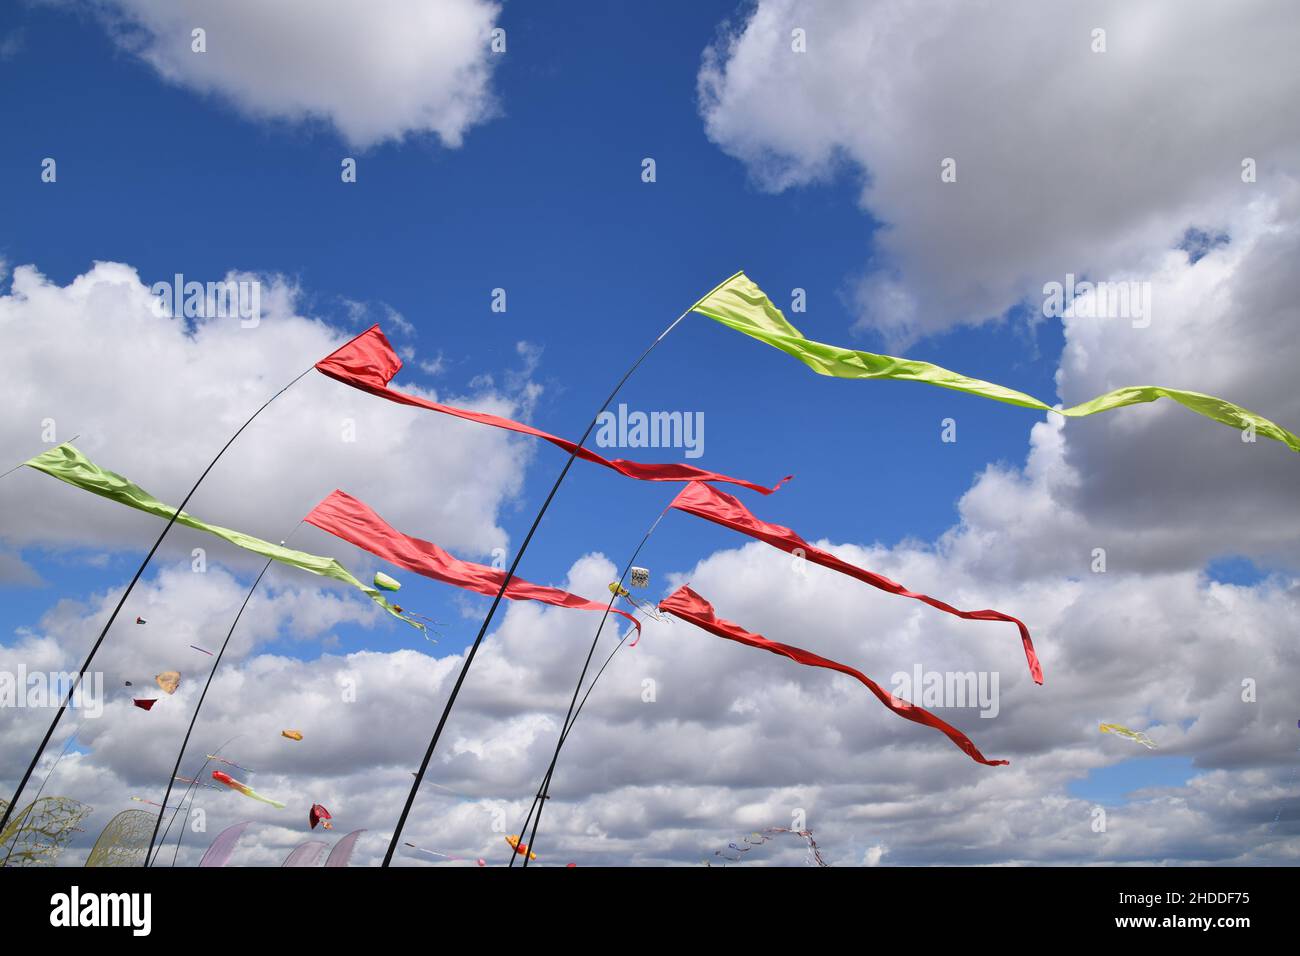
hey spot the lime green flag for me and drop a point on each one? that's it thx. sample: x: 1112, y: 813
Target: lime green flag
x: 66, y: 463
x: 739, y: 304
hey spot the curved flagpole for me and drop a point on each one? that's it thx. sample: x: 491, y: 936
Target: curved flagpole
x: 85, y: 665
x: 545, y: 792
x: 505, y: 582
x: 199, y: 706
x: 539, y: 801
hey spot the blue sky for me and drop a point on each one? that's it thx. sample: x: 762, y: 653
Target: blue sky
x: 814, y: 176
x: 546, y: 202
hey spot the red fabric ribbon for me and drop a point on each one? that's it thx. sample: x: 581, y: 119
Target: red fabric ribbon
x: 368, y: 362
x: 689, y: 606
x: 345, y: 517
x: 707, y: 502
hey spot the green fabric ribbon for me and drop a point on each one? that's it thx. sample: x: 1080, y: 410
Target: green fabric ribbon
x: 741, y: 305
x: 68, y: 464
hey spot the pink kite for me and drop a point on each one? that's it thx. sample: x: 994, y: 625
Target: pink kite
x: 222, y: 777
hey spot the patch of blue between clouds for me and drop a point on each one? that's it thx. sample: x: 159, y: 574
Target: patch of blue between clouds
x: 1198, y: 243
x: 1115, y: 785
x: 1234, y: 569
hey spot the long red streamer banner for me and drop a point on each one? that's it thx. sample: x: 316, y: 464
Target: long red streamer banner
x: 691, y: 607
x: 709, y: 503
x: 355, y: 522
x: 368, y: 362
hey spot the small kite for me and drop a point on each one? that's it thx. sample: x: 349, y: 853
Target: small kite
x: 223, y: 777
x: 738, y: 849
x: 230, y: 763
x: 159, y: 805
x: 520, y: 848
x: 447, y: 856
x: 200, y: 650
x: 168, y: 681
x: 1121, y: 731
x: 194, y: 783
x: 640, y: 577
x: 140, y: 620
x: 759, y: 838
x: 128, y: 683
x: 814, y: 851
x: 417, y: 617
x: 465, y: 797
x: 319, y: 814
x: 145, y: 703
x: 292, y: 734
x: 385, y: 583
x: 645, y: 607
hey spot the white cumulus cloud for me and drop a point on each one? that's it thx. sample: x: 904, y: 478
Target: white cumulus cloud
x: 375, y: 71
x: 1068, y: 160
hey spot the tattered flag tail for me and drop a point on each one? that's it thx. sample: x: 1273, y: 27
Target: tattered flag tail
x: 691, y: 607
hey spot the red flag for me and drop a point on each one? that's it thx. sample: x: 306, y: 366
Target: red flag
x: 345, y: 517
x: 368, y: 362
x: 707, y: 502
x: 689, y: 606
